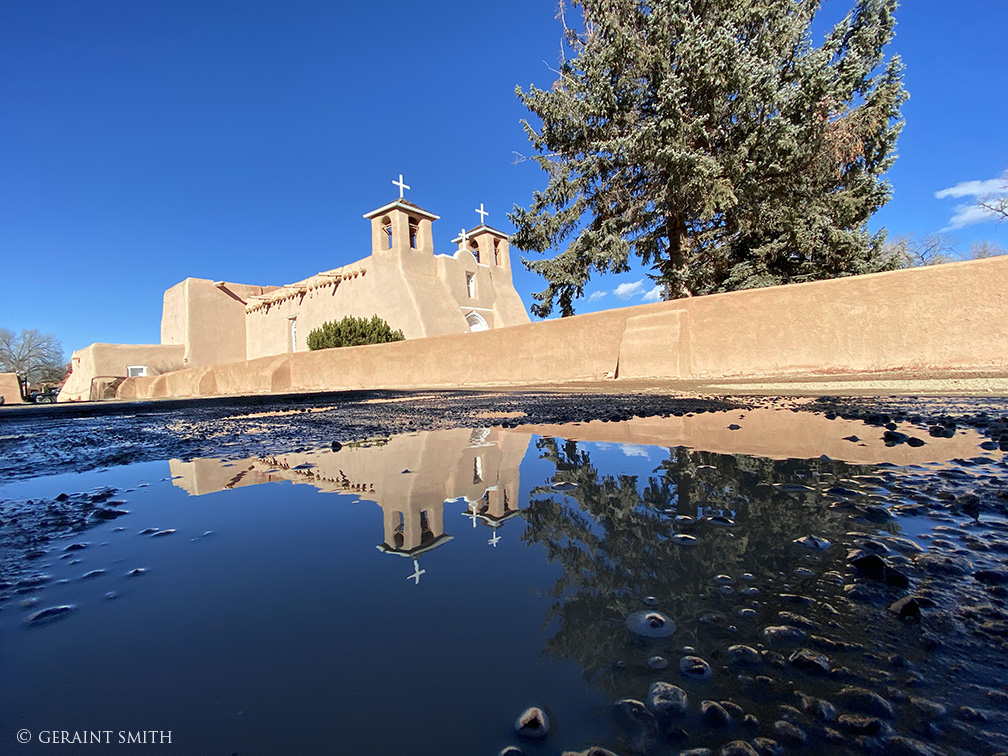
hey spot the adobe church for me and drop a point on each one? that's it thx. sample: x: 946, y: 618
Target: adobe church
x: 402, y: 281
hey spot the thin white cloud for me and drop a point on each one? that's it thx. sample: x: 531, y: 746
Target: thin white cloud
x: 655, y: 295
x: 968, y: 214
x: 626, y: 290
x: 635, y: 450
x: 595, y: 296
x: 995, y: 186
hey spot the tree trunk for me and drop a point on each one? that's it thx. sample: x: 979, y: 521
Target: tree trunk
x: 675, y: 270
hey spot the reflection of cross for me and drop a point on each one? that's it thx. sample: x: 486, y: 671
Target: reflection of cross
x: 482, y: 214
x: 493, y: 541
x: 401, y: 186
x: 465, y: 238
x: 472, y: 506
x: 417, y: 572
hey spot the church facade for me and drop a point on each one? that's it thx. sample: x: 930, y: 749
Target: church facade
x: 403, y: 281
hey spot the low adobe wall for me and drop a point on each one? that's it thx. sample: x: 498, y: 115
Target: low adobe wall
x: 100, y: 362
x: 947, y: 317
x: 10, y: 389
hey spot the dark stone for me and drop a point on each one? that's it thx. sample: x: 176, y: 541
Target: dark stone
x: 336, y: 446
x: 636, y: 727
x: 809, y: 661
x: 714, y: 714
x: 865, y: 701
x: 590, y: 751
x: 907, y: 607
x: 511, y: 751
x: 532, y: 723
x: 870, y: 564
x: 666, y: 701
x: 819, y: 709
x: 783, y: 635
x: 743, y: 656
x: 767, y: 747
x: 991, y: 577
x: 969, y: 714
x: 738, y: 748
x: 856, y: 724
x: 789, y: 734
x: 695, y: 668
x: 734, y: 427
x: 914, y: 441
x: 45, y: 616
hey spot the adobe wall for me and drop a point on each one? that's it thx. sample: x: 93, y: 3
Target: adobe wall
x: 946, y: 317
x: 10, y: 389
x: 209, y: 320
x: 110, y: 361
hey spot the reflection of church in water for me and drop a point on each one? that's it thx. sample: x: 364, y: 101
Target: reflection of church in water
x: 413, y: 478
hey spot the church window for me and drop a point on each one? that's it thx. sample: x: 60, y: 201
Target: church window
x: 293, y: 333
x: 414, y: 231
x: 496, y: 251
x: 136, y: 371
x: 478, y: 470
x: 471, y: 285
x: 474, y: 248
x: 477, y: 322
x: 387, y: 230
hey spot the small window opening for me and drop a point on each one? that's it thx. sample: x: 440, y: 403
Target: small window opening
x: 387, y: 229
x: 474, y: 248
x: 471, y: 285
x: 496, y: 252
x: 136, y: 371
x: 426, y: 533
x: 478, y: 469
x: 399, y: 538
x: 414, y: 231
x: 293, y: 334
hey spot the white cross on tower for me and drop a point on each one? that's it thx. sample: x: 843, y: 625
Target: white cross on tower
x: 465, y: 238
x: 493, y: 541
x: 472, y: 506
x: 482, y: 214
x: 417, y: 572
x: 401, y: 186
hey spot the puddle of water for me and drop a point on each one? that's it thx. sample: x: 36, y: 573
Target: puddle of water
x: 416, y: 593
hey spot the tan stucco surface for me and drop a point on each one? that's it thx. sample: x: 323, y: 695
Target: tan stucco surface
x: 10, y: 389
x: 946, y: 317
x: 104, y: 361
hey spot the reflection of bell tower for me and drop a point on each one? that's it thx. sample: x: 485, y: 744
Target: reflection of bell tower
x: 411, y: 533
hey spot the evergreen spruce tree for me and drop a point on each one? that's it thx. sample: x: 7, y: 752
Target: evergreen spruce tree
x: 713, y: 140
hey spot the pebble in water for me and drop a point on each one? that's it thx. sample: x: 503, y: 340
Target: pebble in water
x: 636, y: 726
x: 744, y: 656
x: 695, y: 668
x: 812, y: 542
x: 650, y: 601
x: 657, y: 663
x: 685, y: 540
x: 650, y: 624
x: 46, y: 616
x: 666, y: 701
x: 137, y: 572
x: 783, y: 635
x: 92, y: 574
x: 161, y: 533
x: 564, y: 487
x: 532, y: 723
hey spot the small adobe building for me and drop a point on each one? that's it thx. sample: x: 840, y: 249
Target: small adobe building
x: 403, y: 281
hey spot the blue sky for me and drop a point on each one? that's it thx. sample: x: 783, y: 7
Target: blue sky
x: 144, y: 141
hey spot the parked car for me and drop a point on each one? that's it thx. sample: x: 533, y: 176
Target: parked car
x: 45, y: 397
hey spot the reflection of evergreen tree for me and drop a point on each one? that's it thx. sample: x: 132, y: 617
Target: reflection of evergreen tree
x: 615, y: 543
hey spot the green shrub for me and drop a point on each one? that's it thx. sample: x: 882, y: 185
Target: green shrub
x: 351, y: 331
